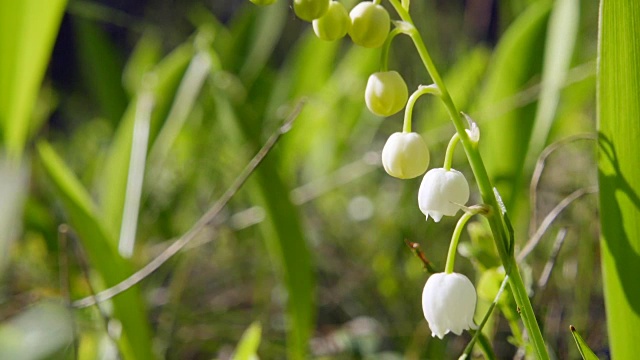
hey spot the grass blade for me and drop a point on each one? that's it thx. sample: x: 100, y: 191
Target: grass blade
x: 618, y: 93
x: 248, y: 347
x: 114, y: 180
x: 583, y: 348
x: 82, y: 213
x: 27, y: 31
x: 101, y: 65
x: 561, y: 37
x: 505, y: 135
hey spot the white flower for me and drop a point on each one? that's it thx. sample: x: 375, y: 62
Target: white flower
x: 405, y: 155
x: 448, y: 303
x: 442, y: 192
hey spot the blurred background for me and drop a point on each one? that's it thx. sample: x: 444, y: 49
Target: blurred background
x: 312, y: 248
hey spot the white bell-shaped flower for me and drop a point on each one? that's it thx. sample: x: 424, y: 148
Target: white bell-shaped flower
x: 448, y: 303
x: 442, y: 192
x: 405, y: 155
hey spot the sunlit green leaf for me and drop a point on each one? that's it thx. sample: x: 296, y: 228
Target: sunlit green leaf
x: 506, y: 125
x: 114, y: 181
x: 27, y: 31
x: 561, y: 37
x: 248, y: 346
x: 585, y: 351
x: 85, y: 222
x: 618, y: 171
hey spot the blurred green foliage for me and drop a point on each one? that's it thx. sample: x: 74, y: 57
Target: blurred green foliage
x: 313, y: 246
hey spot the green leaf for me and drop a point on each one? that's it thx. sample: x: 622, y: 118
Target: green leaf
x: 618, y: 94
x: 585, y: 351
x: 287, y: 244
x: 283, y: 231
x: 144, y: 57
x: 28, y: 30
x: 248, y: 347
x: 463, y: 81
x: 506, y: 127
x: 101, y: 65
x: 84, y: 220
x: 168, y: 74
x: 561, y: 37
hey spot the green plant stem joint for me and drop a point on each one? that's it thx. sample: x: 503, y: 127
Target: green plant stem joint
x: 496, y: 221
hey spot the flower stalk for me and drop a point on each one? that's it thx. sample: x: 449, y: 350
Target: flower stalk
x: 408, y: 112
x: 496, y: 221
x: 455, y: 238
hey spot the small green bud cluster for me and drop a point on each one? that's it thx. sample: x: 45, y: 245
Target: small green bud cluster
x: 367, y: 24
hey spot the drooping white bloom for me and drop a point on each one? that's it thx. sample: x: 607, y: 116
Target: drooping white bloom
x: 442, y: 192
x: 405, y: 155
x: 448, y: 303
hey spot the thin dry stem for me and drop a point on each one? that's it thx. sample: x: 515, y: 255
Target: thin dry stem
x: 205, y: 221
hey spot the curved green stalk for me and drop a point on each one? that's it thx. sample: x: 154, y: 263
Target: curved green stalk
x: 448, y: 157
x: 384, y: 61
x: 496, y: 221
x: 455, y: 238
x: 408, y: 112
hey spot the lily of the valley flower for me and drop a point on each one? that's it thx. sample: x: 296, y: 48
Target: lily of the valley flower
x: 442, y: 192
x: 448, y: 303
x: 405, y: 155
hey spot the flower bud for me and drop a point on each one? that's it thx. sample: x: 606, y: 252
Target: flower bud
x: 370, y: 24
x: 442, y: 192
x: 310, y: 10
x: 405, y: 155
x: 386, y: 93
x: 448, y: 303
x: 263, y: 2
x: 334, y: 24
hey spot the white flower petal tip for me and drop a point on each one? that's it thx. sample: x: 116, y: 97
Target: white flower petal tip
x: 449, y: 303
x: 441, y: 193
x: 473, y: 131
x: 405, y: 155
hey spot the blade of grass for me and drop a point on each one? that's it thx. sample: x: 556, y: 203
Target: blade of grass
x: 14, y: 184
x: 82, y: 214
x: 515, y: 63
x: 286, y: 242
x: 144, y: 57
x: 27, y: 32
x: 583, y: 348
x: 248, y: 347
x: 283, y: 232
x: 101, y: 64
x: 561, y: 37
x: 135, y: 175
x: 168, y: 74
x: 618, y: 107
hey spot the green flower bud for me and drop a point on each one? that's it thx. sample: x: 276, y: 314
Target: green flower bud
x: 386, y: 93
x: 263, y: 2
x: 370, y: 24
x: 310, y: 10
x: 334, y: 24
x: 405, y: 155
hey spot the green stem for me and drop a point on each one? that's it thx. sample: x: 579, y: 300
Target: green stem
x: 448, y: 158
x: 408, y: 112
x: 455, y: 238
x: 496, y: 221
x: 384, y: 61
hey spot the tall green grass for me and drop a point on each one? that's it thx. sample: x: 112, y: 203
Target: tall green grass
x: 618, y: 171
